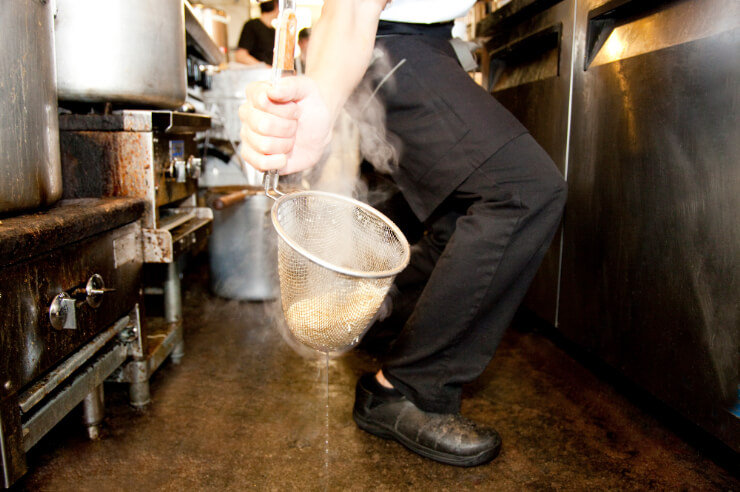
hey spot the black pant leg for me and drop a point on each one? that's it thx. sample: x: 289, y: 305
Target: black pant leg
x: 463, y: 153
x: 481, y: 277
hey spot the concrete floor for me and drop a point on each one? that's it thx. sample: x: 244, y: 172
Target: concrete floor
x: 245, y: 411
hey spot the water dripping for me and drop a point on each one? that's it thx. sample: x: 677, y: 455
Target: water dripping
x: 326, y: 429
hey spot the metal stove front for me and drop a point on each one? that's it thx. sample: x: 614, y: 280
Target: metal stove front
x: 151, y: 155
x: 143, y: 154
x: 69, y: 301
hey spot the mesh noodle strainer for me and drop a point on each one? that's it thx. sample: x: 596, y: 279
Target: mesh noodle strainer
x: 337, y: 256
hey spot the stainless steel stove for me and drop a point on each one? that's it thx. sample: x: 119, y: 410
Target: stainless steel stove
x: 153, y: 155
x: 69, y: 315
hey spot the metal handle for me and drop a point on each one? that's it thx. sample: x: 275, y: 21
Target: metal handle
x: 283, y: 63
x: 270, y: 182
x: 604, y: 19
x: 62, y: 313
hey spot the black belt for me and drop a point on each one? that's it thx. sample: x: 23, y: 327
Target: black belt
x: 442, y: 30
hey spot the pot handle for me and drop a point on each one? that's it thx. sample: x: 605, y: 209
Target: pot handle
x: 230, y: 199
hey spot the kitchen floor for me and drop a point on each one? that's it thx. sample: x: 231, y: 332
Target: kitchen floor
x: 245, y: 411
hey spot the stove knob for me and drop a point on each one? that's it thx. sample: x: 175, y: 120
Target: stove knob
x: 95, y: 289
x: 194, y: 166
x: 177, y: 170
x: 169, y: 169
x: 62, y: 314
x: 181, y: 175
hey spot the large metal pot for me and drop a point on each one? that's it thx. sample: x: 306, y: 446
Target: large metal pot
x: 121, y: 51
x: 30, y: 169
x: 243, y: 250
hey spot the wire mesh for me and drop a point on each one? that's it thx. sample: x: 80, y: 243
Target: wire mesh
x: 337, y: 258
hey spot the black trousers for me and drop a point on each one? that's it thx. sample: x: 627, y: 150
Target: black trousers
x: 491, y: 200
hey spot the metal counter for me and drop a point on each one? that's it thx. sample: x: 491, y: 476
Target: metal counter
x: 528, y: 68
x: 645, y: 129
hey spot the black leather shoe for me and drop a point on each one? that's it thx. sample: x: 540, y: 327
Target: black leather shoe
x: 448, y: 438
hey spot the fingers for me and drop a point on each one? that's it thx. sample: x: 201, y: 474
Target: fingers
x: 264, y: 123
x: 262, y: 162
x: 284, y: 127
x: 268, y: 128
x: 262, y: 151
x: 280, y: 101
x: 289, y: 89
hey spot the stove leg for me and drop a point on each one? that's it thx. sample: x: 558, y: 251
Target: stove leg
x: 173, y: 307
x: 93, y: 411
x: 178, y: 351
x: 139, y: 395
x: 172, y: 294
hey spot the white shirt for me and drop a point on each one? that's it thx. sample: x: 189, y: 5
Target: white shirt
x: 425, y: 11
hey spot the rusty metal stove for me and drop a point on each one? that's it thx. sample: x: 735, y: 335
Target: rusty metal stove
x: 149, y: 154
x: 69, y: 316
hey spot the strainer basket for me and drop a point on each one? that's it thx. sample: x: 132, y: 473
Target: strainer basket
x: 337, y: 258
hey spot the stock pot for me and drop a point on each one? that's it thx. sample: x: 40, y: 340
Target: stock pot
x: 122, y: 51
x: 30, y: 168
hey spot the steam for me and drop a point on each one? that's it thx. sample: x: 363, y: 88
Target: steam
x: 366, y: 109
x: 360, y: 133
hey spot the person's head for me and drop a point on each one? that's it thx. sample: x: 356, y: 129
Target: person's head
x: 268, y: 6
x: 303, y: 36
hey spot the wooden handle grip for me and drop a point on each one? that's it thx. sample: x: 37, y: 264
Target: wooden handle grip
x: 231, y: 199
x: 285, y: 54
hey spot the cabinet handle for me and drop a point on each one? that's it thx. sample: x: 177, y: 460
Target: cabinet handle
x: 510, y: 14
x: 525, y: 48
x: 603, y: 20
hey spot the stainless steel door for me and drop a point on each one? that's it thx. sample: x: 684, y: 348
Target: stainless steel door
x: 528, y: 69
x: 651, y: 255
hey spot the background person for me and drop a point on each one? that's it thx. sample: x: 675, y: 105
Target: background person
x: 257, y: 39
x: 304, y: 36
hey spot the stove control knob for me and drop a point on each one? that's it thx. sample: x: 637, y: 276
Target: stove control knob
x: 94, y: 290
x: 181, y: 174
x: 62, y: 312
x: 177, y: 170
x: 194, y: 166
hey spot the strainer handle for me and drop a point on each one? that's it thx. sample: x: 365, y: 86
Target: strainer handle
x: 270, y: 182
x: 283, y: 63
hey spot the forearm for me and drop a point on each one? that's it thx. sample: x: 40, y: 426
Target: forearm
x: 342, y: 43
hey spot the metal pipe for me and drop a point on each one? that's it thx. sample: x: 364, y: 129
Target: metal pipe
x: 55, y: 408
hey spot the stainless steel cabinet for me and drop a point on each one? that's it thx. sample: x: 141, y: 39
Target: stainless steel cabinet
x: 648, y: 138
x: 528, y: 68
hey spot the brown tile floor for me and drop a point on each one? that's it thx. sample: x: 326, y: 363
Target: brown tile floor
x: 244, y: 411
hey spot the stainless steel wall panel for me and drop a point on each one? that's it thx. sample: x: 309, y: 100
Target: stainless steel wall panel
x: 528, y: 70
x: 651, y: 254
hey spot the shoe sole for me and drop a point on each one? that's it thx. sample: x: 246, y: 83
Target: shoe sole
x: 446, y: 458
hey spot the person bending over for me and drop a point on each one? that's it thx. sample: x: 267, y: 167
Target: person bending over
x: 488, y: 195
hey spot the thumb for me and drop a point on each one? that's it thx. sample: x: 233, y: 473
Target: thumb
x: 290, y: 89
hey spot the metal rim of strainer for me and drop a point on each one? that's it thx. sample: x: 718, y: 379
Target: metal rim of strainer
x: 351, y: 272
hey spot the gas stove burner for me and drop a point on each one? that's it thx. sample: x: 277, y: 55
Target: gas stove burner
x: 146, y: 154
